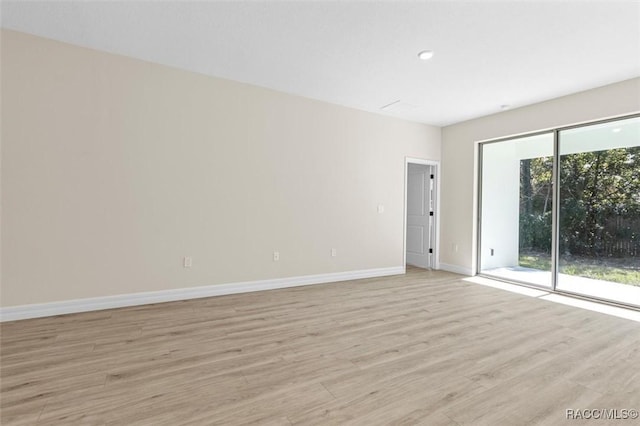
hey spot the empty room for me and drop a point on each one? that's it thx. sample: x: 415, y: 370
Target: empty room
x: 319, y: 212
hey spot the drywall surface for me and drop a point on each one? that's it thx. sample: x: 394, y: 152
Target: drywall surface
x: 501, y: 206
x: 115, y: 169
x: 460, y: 150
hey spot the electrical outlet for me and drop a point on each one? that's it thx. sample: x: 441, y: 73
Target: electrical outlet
x: 276, y: 256
x: 491, y: 252
x: 334, y: 252
x: 187, y: 262
x: 380, y: 208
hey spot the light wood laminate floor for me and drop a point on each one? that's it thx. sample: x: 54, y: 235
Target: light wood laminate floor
x: 423, y: 348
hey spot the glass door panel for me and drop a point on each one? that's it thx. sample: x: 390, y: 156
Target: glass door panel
x: 599, y: 211
x: 516, y: 209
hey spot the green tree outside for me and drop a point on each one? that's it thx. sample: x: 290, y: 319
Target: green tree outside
x: 599, y: 214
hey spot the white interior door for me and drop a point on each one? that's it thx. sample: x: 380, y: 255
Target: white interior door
x: 420, y: 215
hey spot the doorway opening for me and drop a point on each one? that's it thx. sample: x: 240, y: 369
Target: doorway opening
x: 421, y: 213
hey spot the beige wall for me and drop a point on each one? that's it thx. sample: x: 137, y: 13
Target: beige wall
x: 459, y: 156
x: 113, y: 169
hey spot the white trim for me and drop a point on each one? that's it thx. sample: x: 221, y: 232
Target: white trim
x: 407, y: 161
x: 457, y: 269
x: 13, y: 313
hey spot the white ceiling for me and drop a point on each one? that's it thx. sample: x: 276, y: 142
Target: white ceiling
x: 364, y: 54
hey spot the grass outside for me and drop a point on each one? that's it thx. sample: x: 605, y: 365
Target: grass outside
x: 614, y: 270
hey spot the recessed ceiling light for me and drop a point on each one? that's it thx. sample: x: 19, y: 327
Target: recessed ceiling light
x: 505, y: 106
x: 425, y: 55
x: 616, y: 130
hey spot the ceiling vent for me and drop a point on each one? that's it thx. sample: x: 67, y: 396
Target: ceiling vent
x: 399, y: 107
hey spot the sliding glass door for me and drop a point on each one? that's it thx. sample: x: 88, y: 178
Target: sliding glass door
x: 561, y: 210
x: 516, y: 209
x: 599, y: 222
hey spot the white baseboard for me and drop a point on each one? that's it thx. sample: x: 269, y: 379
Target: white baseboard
x: 13, y: 313
x: 457, y: 269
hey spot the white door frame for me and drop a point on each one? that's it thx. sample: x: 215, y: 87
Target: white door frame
x: 407, y: 161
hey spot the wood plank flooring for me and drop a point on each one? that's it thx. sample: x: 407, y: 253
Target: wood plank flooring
x: 424, y: 348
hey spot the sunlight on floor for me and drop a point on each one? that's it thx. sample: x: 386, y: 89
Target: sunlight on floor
x: 622, y: 293
x: 527, y: 291
x: 557, y: 298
